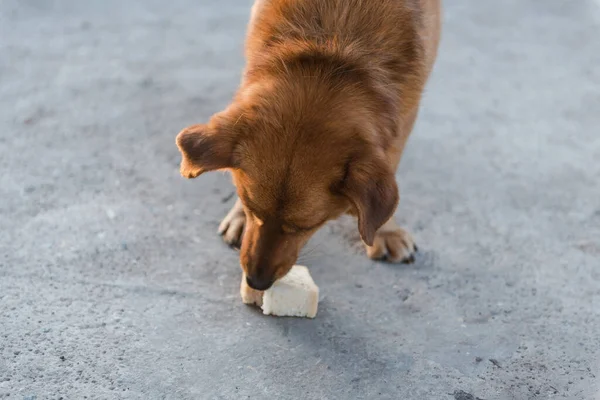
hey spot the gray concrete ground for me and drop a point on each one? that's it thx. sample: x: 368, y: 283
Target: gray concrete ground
x: 113, y: 283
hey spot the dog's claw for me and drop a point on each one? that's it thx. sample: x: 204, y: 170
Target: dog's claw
x: 409, y: 260
x: 235, y: 246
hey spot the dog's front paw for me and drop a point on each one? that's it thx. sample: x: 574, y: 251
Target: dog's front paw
x: 232, y: 226
x: 392, y: 244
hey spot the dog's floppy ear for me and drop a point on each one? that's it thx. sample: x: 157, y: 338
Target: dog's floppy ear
x: 206, y: 148
x: 372, y: 190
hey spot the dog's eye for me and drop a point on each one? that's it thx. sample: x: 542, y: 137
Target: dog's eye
x: 292, y: 228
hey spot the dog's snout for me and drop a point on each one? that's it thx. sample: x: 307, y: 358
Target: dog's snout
x: 258, y: 284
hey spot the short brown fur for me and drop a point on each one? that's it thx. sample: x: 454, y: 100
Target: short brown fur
x: 329, y: 97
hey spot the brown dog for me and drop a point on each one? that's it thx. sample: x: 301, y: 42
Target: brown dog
x: 329, y: 97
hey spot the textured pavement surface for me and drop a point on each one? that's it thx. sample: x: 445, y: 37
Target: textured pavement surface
x: 114, y: 284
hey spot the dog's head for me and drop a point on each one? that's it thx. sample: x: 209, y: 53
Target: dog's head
x: 296, y: 165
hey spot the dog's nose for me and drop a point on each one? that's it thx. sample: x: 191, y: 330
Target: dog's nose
x: 258, y: 284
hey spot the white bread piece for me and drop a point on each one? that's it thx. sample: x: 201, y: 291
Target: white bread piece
x: 294, y: 295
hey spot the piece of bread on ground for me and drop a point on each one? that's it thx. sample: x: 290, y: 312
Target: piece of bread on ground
x: 294, y: 295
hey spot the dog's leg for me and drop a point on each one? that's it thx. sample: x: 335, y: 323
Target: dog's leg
x: 392, y: 244
x: 232, y: 226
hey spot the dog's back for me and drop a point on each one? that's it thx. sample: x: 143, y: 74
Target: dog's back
x: 386, y: 46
